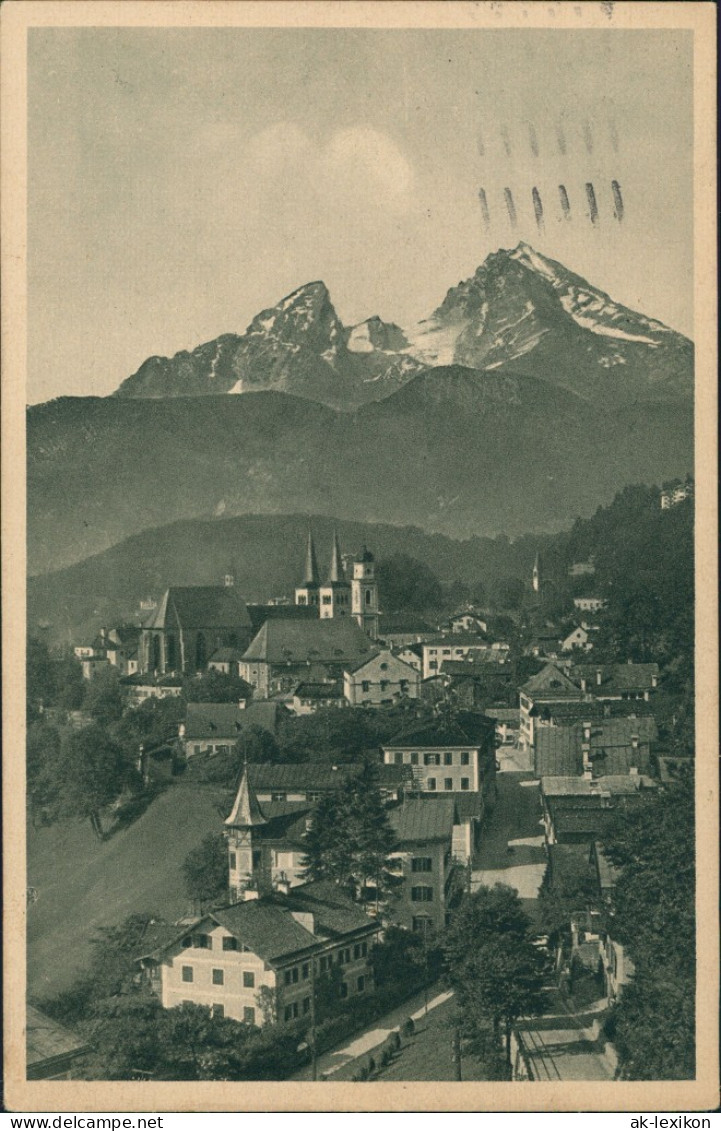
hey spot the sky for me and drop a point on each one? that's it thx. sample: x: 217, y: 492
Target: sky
x: 181, y: 180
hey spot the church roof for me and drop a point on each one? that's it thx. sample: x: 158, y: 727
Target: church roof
x: 311, y: 575
x: 337, y: 573
x: 200, y: 606
x: 246, y: 811
x: 333, y: 641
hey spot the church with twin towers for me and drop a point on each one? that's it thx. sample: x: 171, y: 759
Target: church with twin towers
x: 350, y: 588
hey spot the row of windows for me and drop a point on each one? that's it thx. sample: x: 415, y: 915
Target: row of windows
x: 432, y: 759
x: 218, y: 1010
x: 218, y: 977
x: 301, y: 973
x: 431, y: 783
x: 384, y: 685
x: 296, y: 1009
x: 422, y: 864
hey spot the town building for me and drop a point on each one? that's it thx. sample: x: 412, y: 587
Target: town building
x: 597, y: 748
x: 380, y: 680
x: 676, y: 493
x: 589, y: 604
x: 116, y: 648
x: 308, y: 697
x: 439, y: 649
x: 423, y: 864
x: 579, y: 637
x: 190, y: 624
x: 285, y: 653
x: 399, y: 630
x: 215, y: 728
x: 580, y: 809
x: 582, y: 569
x: 457, y: 756
x: 135, y: 689
x: 260, y: 960
x: 466, y: 622
x: 558, y: 685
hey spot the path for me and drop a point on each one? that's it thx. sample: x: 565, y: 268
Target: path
x: 512, y: 845
x: 563, y: 1045
x: 355, y: 1046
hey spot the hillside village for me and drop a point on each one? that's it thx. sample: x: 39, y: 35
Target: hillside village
x: 374, y: 771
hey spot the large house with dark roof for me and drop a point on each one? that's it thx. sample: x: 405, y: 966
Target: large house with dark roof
x: 581, y: 684
x: 190, y: 624
x: 258, y: 961
x: 595, y: 747
x: 379, y: 680
x: 454, y: 756
x: 579, y: 810
x: 285, y: 653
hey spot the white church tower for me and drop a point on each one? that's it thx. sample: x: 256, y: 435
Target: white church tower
x: 364, y: 593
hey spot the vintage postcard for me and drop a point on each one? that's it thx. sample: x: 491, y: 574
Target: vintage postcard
x: 359, y: 556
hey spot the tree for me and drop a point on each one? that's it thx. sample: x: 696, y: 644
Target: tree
x: 216, y: 687
x: 654, y: 917
x: 351, y: 839
x: 574, y: 888
x: 103, y: 698
x: 91, y: 774
x: 42, y: 754
x: 508, y: 593
x: 492, y: 964
x: 407, y: 583
x: 205, y: 870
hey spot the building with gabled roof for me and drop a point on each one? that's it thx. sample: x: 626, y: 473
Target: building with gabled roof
x: 286, y: 652
x: 52, y: 1051
x: 258, y: 960
x: 580, y: 809
x: 380, y: 679
x: 600, y: 747
x: 447, y: 756
x: 190, y: 623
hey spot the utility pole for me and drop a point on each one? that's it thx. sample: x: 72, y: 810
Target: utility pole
x: 314, y: 1056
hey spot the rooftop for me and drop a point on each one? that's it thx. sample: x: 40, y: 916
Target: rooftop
x: 419, y: 819
x: 200, y: 606
x: 48, y: 1044
x: 333, y: 641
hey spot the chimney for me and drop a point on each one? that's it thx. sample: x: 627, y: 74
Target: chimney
x: 586, y: 732
x: 229, y: 581
x: 633, y: 771
x: 654, y: 680
x: 305, y: 919
x: 583, y: 685
x: 103, y: 633
x: 282, y: 885
x: 599, y: 676
x: 634, y: 741
x: 250, y: 893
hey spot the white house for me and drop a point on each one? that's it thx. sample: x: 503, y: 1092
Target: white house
x: 384, y: 678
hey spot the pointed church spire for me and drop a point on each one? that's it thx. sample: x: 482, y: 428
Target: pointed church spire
x: 246, y: 811
x: 337, y: 573
x: 311, y: 576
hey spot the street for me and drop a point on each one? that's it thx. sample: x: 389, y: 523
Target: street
x: 512, y: 844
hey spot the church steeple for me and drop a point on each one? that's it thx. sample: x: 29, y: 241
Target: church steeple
x: 307, y: 591
x: 311, y: 575
x: 537, y: 574
x: 337, y: 573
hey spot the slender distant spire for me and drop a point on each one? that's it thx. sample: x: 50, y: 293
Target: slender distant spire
x: 337, y: 573
x: 312, y: 576
x: 246, y: 811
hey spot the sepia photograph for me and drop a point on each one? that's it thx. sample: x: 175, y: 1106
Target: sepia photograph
x: 359, y: 480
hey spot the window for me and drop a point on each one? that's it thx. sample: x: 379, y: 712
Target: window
x: 218, y: 978
x: 465, y: 758
x: 233, y: 861
x: 305, y: 971
x: 361, y: 984
x: 187, y: 974
x: 448, y: 783
x: 249, y: 1015
x: 431, y: 783
x: 291, y: 976
x: 323, y: 965
x: 421, y: 923
x: 217, y: 1010
x: 365, y: 686
x: 398, y: 757
x: 422, y: 864
x: 432, y: 664
x: 344, y: 989
x: 448, y: 758
x: 384, y: 667
x: 300, y: 600
x: 384, y: 685
x: 196, y: 748
x: 326, y: 599
x: 368, y: 597
x: 306, y: 1005
x: 278, y: 797
x: 414, y: 758
x: 291, y: 1011
x: 422, y: 894
x: 203, y: 942
x: 404, y: 685
x: 465, y: 783
x: 364, y: 949
x: 230, y: 944
x: 356, y: 951
x: 248, y: 979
